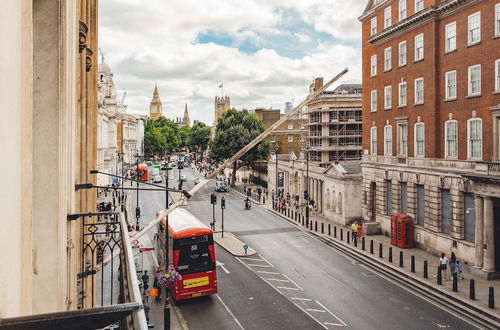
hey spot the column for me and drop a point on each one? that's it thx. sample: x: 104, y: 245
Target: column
x: 489, y: 252
x: 479, y: 239
x: 321, y: 197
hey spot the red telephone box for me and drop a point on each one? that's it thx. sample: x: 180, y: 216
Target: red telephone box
x: 402, y: 230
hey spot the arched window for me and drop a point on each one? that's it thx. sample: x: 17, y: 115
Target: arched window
x: 334, y: 201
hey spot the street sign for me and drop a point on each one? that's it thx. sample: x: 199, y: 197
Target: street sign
x: 135, y: 243
x: 245, y: 247
x: 146, y: 249
x: 281, y: 179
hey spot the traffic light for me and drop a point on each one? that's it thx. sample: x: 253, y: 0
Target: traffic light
x: 137, y: 212
x: 306, y: 195
x: 223, y: 203
x: 213, y: 199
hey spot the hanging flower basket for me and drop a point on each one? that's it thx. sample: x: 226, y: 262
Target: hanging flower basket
x: 166, y: 279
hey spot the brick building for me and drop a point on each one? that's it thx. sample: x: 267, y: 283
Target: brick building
x: 334, y: 125
x: 289, y: 136
x: 431, y: 138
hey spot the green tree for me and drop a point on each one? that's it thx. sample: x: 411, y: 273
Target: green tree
x: 235, y: 129
x: 199, y: 138
x: 184, y: 132
x: 160, y: 136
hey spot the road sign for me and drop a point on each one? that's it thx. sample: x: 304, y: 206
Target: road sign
x: 281, y: 179
x: 146, y: 249
x: 245, y: 247
x: 135, y: 243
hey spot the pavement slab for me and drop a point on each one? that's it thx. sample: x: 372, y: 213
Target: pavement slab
x: 233, y: 245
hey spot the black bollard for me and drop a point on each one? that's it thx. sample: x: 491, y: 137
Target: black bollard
x: 472, y: 290
x: 371, y: 246
x: 439, y: 276
x: 390, y: 254
x: 329, y: 230
x: 380, y: 250
x: 288, y: 213
x: 401, y: 259
x: 412, y: 264
x: 348, y: 234
x: 335, y: 231
x: 302, y: 220
x: 341, y: 234
x: 316, y: 226
x: 322, y: 227
x: 426, y: 274
x: 295, y: 216
x: 355, y: 239
x: 491, y: 297
x: 363, y: 243
x: 455, y: 282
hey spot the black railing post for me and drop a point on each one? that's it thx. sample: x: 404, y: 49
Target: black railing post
x: 455, y: 282
x: 491, y: 297
x: 426, y: 274
x: 401, y: 259
x: 412, y: 264
x: 371, y: 246
x: 472, y: 290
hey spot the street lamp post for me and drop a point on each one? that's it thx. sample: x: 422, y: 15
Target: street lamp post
x: 276, y: 148
x: 137, y: 209
x: 166, y: 310
x: 307, y: 185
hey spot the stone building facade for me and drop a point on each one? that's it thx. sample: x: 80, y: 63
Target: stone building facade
x: 50, y: 108
x: 334, y: 125
x: 431, y: 114
x: 221, y: 105
x: 334, y: 189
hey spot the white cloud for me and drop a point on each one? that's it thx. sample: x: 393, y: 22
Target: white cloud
x: 155, y: 41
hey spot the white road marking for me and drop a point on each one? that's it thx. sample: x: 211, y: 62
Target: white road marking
x: 267, y: 261
x: 287, y: 288
x: 253, y: 259
x: 277, y: 279
x: 304, y: 299
x: 331, y: 313
x: 227, y: 308
x: 293, y: 282
x: 315, y: 310
x: 255, y: 265
x: 264, y: 272
x: 221, y: 265
x: 335, y: 324
x: 311, y: 316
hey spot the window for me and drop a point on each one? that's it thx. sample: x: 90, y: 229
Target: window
x: 402, y: 9
x: 402, y: 139
x: 450, y: 128
x: 402, y: 53
x: 419, y: 5
x: 373, y: 139
x: 419, y: 139
x: 290, y: 126
x: 474, y: 80
x: 373, y: 101
x: 388, y: 196
x: 272, y: 138
x: 387, y: 17
x: 469, y: 217
x: 451, y: 37
x: 403, y: 197
x: 419, y: 90
x: 419, y: 47
x: 290, y: 138
x: 373, y: 23
x: 387, y: 59
x: 450, y: 85
x: 388, y: 140
x: 373, y: 66
x: 387, y: 97
x: 497, y: 75
x: 445, y: 211
x: 497, y: 19
x: 420, y: 204
x: 474, y: 28
x: 402, y: 94
x: 475, y: 137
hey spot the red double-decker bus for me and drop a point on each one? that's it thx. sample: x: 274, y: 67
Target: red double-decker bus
x: 192, y: 253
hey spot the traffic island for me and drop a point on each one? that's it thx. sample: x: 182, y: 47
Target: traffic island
x: 233, y: 245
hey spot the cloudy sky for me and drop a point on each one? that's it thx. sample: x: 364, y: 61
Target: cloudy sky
x: 265, y: 52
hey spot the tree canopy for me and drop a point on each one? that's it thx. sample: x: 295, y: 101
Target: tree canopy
x: 160, y: 136
x: 199, y: 138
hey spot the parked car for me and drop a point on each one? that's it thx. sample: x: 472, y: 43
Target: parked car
x: 220, y: 186
x: 157, y: 178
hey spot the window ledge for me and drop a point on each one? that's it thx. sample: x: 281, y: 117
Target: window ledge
x: 385, y: 109
x: 496, y: 36
x: 373, y: 110
x: 401, y: 66
x: 473, y: 44
x: 387, y: 70
x: 417, y: 104
x: 496, y: 92
x: 450, y: 51
x: 419, y: 60
x: 401, y: 106
x: 450, y: 99
x: 473, y: 96
x: 372, y: 76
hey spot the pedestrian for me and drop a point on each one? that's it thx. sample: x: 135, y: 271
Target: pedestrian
x: 460, y: 268
x: 360, y: 230
x: 145, y: 280
x: 452, y: 263
x: 354, y: 231
x: 443, y: 265
x: 146, y: 309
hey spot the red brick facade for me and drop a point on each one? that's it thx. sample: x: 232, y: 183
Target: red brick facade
x: 434, y: 111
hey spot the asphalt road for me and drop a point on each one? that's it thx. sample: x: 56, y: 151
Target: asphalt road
x: 295, y: 281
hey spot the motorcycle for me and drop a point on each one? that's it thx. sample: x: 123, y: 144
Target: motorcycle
x: 248, y: 205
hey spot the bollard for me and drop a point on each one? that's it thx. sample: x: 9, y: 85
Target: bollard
x: 491, y: 297
x: 341, y: 234
x: 412, y: 264
x: 472, y: 290
x: 335, y: 231
x: 355, y: 239
x: 288, y: 213
x: 295, y: 216
x: 263, y: 199
x: 439, y: 276
x: 311, y: 223
x: 390, y: 254
x: 322, y: 228
x: 348, y: 234
x: 371, y: 246
x: 401, y: 259
x: 316, y: 226
x: 426, y: 275
x: 455, y: 282
x: 363, y: 243
x: 302, y: 220
x: 329, y: 230
x: 380, y: 250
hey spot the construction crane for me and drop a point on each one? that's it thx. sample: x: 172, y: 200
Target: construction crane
x: 183, y: 199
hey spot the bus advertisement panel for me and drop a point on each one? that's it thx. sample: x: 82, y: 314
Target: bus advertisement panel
x: 142, y: 171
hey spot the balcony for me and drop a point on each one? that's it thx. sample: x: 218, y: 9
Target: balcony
x: 105, y: 237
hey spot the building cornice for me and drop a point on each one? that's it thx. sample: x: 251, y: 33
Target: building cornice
x: 372, y: 10
x: 429, y: 14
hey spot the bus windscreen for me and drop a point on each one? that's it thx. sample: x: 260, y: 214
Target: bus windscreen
x: 194, y: 256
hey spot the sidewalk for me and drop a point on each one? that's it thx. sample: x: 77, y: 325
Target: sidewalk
x: 340, y: 235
